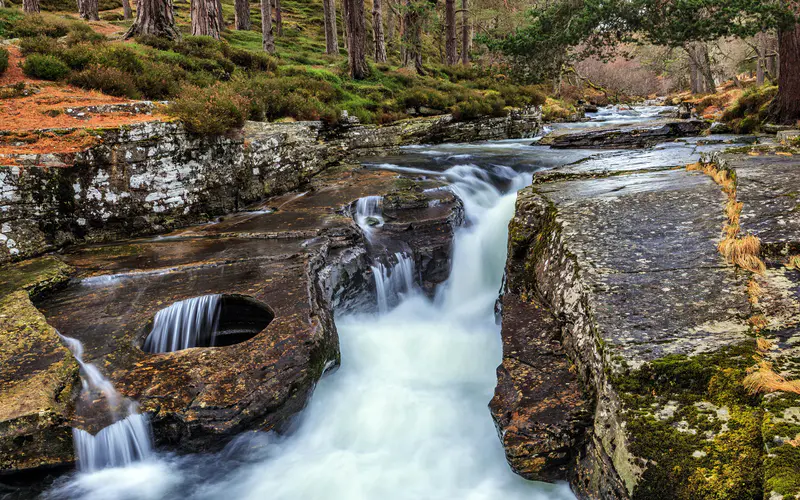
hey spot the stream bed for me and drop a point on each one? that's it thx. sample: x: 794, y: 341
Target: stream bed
x: 405, y: 415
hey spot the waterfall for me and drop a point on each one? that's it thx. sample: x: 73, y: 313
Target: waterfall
x: 392, y: 281
x: 188, y: 323
x: 369, y: 214
x: 126, y: 440
x: 121, y: 443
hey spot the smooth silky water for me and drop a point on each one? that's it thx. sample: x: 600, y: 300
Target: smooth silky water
x: 404, y: 417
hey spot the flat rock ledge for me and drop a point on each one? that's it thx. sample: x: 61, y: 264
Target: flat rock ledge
x: 637, y: 136
x: 617, y: 305
x: 153, y: 177
x: 301, y: 254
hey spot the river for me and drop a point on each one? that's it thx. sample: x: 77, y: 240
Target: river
x: 405, y: 416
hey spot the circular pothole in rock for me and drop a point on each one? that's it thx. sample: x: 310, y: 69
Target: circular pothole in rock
x: 207, y: 321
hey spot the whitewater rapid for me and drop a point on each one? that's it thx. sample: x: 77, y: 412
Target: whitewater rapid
x: 404, y: 417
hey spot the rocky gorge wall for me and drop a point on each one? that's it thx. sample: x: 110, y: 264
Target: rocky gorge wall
x: 635, y: 354
x: 154, y: 176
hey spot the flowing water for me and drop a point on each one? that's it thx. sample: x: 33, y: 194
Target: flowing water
x: 188, y: 323
x: 126, y: 440
x: 405, y: 416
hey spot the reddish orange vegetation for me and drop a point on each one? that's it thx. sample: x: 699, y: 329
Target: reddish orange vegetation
x: 45, y: 109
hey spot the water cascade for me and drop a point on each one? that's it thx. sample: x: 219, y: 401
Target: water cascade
x: 393, y: 281
x: 185, y: 324
x: 369, y: 214
x: 126, y: 440
x: 405, y: 415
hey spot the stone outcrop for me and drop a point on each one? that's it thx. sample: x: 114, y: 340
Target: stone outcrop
x: 637, y: 136
x: 614, y: 281
x: 300, y: 254
x: 154, y: 176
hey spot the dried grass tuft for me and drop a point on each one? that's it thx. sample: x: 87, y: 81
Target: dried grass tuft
x: 763, y: 344
x: 763, y: 379
x: 754, y: 291
x: 758, y: 322
x: 794, y: 262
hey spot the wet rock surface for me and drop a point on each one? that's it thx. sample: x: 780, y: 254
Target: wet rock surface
x: 154, y: 177
x: 642, y: 135
x: 621, y: 265
x: 300, y: 254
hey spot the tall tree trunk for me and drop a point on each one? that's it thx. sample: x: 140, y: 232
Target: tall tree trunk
x: 2, y: 4
x: 787, y: 104
x: 377, y: 30
x: 390, y: 17
x: 267, y: 42
x: 695, y: 82
x: 329, y: 19
x: 412, y: 37
x: 278, y: 18
x: 242, y: 14
x: 88, y: 10
x: 205, y: 18
x: 465, y: 35
x: 126, y: 9
x: 30, y: 6
x: 705, y: 69
x: 220, y: 17
x: 450, y: 49
x: 761, y: 59
x: 356, y: 39
x: 154, y: 17
x: 344, y: 25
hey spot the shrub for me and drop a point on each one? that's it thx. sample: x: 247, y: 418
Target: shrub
x: 256, y: 61
x: 107, y: 80
x: 478, y: 107
x: 418, y: 97
x: 213, y: 110
x: 83, y: 33
x: 40, y: 45
x: 39, y: 24
x: 156, y: 42
x: 45, y: 66
x: 521, y: 96
x: 3, y: 60
x: 158, y: 81
x: 753, y: 102
x: 297, y: 97
x: 121, y: 57
x: 79, y: 56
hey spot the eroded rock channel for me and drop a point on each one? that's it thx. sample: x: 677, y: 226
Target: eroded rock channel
x: 627, y: 336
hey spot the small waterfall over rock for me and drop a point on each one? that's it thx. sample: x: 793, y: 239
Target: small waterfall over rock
x: 188, y: 323
x: 392, y: 281
x: 369, y: 214
x: 126, y: 440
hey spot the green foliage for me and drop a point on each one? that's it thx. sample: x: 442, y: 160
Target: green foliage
x: 750, y: 110
x: 3, y: 60
x: 212, y: 110
x: 45, y: 67
x: 302, y: 98
x: 479, y: 106
x: 39, y: 24
x: 108, y: 80
x: 418, y: 97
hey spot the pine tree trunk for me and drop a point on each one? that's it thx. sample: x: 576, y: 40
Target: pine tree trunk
x: 220, y: 16
x: 465, y: 37
x: 2, y: 5
x: 205, y: 18
x: 88, y: 10
x: 705, y: 69
x: 357, y: 39
x: 154, y: 17
x: 412, y: 38
x: 242, y: 14
x: 389, y: 27
x: 278, y: 18
x: 787, y: 104
x: 694, y: 75
x: 451, y: 51
x: 30, y: 6
x: 329, y: 19
x: 344, y: 25
x: 761, y: 62
x: 268, y: 43
x: 126, y: 9
x: 377, y: 30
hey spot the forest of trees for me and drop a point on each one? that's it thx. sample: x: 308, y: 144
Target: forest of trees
x: 673, y: 43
